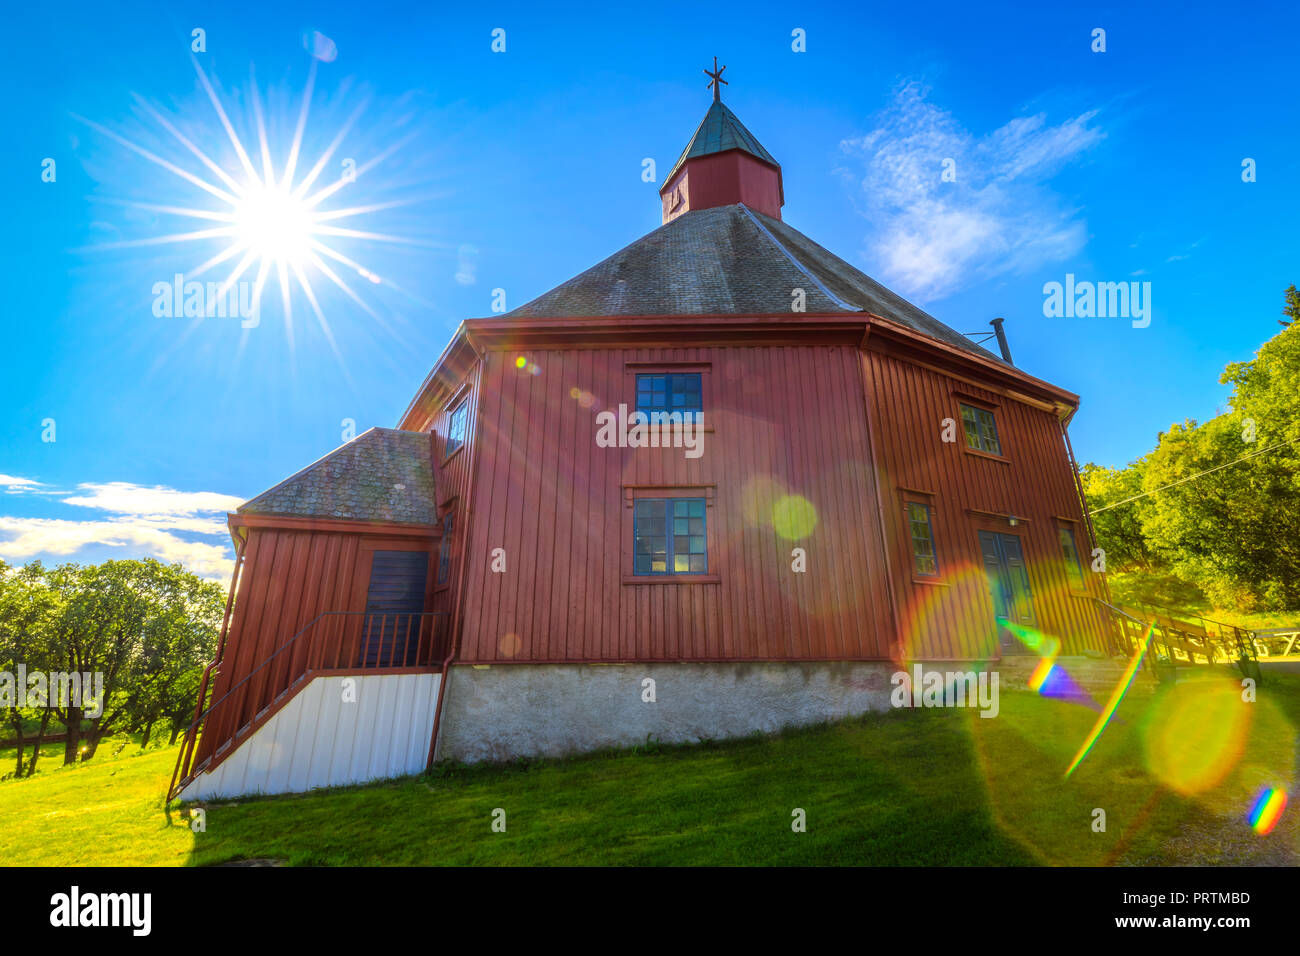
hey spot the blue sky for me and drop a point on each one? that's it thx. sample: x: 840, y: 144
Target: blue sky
x: 517, y: 170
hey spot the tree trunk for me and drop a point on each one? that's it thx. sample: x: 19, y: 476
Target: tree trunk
x: 176, y: 729
x: 71, y: 745
x: 93, y: 737
x: 36, y: 748
x: 148, y: 731
x: 18, y: 731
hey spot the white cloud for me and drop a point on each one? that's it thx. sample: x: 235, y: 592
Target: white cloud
x: 26, y: 538
x: 125, y: 498
x: 930, y: 236
x: 143, y: 521
x: 466, y: 264
x: 10, y: 483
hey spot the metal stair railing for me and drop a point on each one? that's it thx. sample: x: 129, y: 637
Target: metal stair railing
x: 351, y: 652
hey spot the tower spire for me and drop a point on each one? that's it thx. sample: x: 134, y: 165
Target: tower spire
x: 717, y: 82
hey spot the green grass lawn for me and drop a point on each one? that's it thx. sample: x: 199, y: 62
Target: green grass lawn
x: 939, y: 787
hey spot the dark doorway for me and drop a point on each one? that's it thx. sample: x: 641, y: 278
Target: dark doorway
x: 390, y: 634
x: 1004, y: 565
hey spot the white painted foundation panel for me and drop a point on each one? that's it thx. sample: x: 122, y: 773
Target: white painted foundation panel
x: 319, y: 740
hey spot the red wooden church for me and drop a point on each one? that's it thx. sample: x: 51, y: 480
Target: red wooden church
x: 720, y: 482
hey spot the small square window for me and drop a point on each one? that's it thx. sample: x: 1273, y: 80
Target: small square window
x: 456, y: 427
x: 981, y: 429
x: 924, y: 559
x: 669, y: 536
x: 670, y: 392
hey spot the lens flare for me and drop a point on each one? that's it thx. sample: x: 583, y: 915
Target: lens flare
x: 794, y: 517
x: 1196, y: 733
x: 1045, y: 645
x: 1116, y: 697
x: 951, y: 622
x: 1267, y: 811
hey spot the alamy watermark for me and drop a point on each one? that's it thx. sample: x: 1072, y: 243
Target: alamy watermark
x: 194, y: 299
x: 131, y: 911
x: 946, y: 689
x: 39, y: 690
x: 654, y: 430
x: 1102, y: 300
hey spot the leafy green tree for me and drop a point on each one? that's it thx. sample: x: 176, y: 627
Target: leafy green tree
x: 1235, y: 530
x: 1291, y: 310
x: 27, y: 608
x: 1118, y: 529
x: 1211, y: 528
x: 1221, y: 500
x: 176, y: 644
x: 143, y: 625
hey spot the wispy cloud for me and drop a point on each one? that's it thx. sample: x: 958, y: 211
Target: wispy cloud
x: 140, y: 520
x: 10, y: 483
x: 125, y: 498
x: 928, y: 235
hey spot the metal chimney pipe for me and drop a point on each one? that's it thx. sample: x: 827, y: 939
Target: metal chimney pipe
x: 1002, y: 340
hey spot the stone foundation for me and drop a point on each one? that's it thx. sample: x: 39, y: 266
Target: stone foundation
x: 504, y: 711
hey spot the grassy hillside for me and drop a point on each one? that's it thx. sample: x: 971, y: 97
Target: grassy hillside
x: 921, y: 787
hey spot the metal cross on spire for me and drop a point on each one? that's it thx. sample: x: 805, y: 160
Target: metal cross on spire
x: 717, y: 82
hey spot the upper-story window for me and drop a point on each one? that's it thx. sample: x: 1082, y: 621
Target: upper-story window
x: 924, y: 558
x: 457, y: 425
x: 1070, y: 551
x: 981, y: 429
x: 670, y: 392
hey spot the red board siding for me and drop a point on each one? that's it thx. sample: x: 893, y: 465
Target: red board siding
x: 952, y: 619
x: 786, y: 421
x: 723, y: 179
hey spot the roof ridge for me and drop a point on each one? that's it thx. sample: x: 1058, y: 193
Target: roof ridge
x: 797, y: 264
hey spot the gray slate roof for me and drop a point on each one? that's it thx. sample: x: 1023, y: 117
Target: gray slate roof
x: 383, y: 474
x: 730, y: 260
x: 718, y: 132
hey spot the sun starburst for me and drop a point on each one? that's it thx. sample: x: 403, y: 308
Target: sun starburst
x: 269, y: 221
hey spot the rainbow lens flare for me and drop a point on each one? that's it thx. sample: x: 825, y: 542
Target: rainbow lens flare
x: 1116, y: 697
x: 1050, y: 679
x: 1267, y: 811
x: 1196, y: 732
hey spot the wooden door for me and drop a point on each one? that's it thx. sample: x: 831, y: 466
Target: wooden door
x: 1013, y: 599
x: 391, y: 628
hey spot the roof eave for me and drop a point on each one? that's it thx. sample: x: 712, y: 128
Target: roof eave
x: 1065, y: 402
x: 608, y: 331
x: 460, y: 342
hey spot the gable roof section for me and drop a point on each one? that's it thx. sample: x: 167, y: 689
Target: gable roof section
x: 719, y: 131
x: 730, y: 260
x: 383, y: 474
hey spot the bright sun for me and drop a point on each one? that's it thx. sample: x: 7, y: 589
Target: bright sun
x: 272, y: 223
x: 269, y: 221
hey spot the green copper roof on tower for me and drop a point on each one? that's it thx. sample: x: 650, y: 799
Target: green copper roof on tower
x: 718, y: 132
